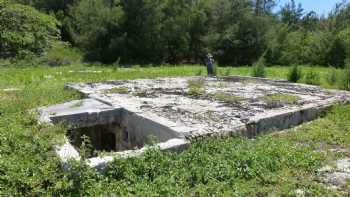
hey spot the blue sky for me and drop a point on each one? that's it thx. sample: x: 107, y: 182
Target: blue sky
x: 319, y: 6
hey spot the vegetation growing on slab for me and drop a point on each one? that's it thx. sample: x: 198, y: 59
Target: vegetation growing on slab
x: 196, y: 87
x: 78, y: 104
x: 279, y: 99
x: 118, y: 90
x: 225, y: 97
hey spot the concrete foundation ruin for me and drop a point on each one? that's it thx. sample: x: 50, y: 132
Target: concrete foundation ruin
x: 123, y: 117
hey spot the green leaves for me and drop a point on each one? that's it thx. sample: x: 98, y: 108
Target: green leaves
x: 24, y: 30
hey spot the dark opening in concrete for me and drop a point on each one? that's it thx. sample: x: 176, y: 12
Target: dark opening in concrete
x: 107, y: 137
x: 108, y: 129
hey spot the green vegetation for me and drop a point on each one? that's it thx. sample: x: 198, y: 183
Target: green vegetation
x: 312, y: 78
x: 277, y: 99
x: 345, y: 78
x: 77, y: 104
x: 61, y: 54
x: 147, y: 33
x: 332, y: 76
x: 294, y: 74
x: 227, y: 98
x: 269, y: 165
x: 118, y: 90
x: 114, y: 32
x: 259, y: 68
x: 196, y: 87
x: 24, y: 31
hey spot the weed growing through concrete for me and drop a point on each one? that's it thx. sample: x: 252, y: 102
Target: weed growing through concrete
x: 77, y: 104
x: 196, y: 87
x: 118, y: 90
x: 142, y: 93
x: 227, y: 98
x: 279, y: 99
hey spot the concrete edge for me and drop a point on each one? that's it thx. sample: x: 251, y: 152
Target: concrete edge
x: 67, y: 153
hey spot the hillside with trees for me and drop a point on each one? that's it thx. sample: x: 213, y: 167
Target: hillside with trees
x: 237, y: 32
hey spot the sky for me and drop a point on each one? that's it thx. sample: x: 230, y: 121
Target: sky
x: 319, y: 6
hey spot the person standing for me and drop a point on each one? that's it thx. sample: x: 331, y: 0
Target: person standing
x: 210, y: 64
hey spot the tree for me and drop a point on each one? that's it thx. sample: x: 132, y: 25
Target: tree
x: 291, y: 14
x: 24, y: 30
x: 264, y: 6
x: 96, y: 28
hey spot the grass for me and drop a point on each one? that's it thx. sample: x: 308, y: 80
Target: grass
x: 196, y: 87
x: 227, y: 98
x: 275, y: 165
x: 283, y: 99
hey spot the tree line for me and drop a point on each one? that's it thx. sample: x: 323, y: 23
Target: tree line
x: 236, y: 32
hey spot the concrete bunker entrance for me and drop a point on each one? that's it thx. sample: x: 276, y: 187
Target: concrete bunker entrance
x: 109, y: 137
x: 114, y: 130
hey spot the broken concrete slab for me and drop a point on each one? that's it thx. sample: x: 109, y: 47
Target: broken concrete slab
x: 182, y: 109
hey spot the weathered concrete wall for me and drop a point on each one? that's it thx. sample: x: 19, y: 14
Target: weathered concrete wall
x: 142, y: 129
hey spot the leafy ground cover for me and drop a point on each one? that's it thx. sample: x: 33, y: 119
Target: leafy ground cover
x: 279, y: 164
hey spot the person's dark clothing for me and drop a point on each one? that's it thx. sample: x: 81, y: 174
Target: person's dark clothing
x: 210, y: 66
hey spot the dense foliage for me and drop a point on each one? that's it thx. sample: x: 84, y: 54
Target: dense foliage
x: 175, y: 31
x: 24, y: 30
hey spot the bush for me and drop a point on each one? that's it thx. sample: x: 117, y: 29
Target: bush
x: 215, y: 70
x: 332, y: 77
x: 312, y: 78
x: 25, y: 31
x: 259, y: 68
x: 294, y: 74
x: 345, y: 79
x: 61, y: 54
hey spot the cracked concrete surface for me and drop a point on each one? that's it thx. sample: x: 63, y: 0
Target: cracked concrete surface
x: 167, y: 108
x: 167, y: 100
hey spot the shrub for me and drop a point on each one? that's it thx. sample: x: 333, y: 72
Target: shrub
x: 61, y: 54
x: 215, y: 70
x: 196, y: 87
x: 227, y: 72
x: 294, y: 74
x: 259, y: 68
x: 332, y: 77
x: 312, y: 78
x: 345, y: 79
x: 199, y: 73
x: 25, y: 31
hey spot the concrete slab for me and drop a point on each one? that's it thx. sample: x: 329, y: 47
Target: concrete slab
x: 177, y: 110
x: 168, y: 100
